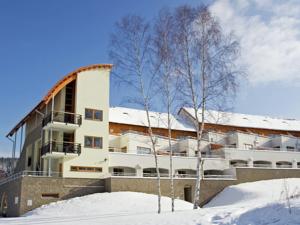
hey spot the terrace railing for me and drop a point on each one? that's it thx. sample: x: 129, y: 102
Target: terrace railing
x: 29, y: 174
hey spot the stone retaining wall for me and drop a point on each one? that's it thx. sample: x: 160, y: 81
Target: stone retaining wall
x: 27, y: 193
x: 33, y: 192
x: 209, y: 187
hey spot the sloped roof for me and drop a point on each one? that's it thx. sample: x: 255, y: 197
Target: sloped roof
x: 138, y: 117
x: 246, y: 120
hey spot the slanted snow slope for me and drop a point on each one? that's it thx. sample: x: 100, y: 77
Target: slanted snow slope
x: 262, y: 202
x: 256, y: 193
x: 256, y: 203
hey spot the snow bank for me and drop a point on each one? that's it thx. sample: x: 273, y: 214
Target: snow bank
x: 104, y: 203
x: 260, y: 192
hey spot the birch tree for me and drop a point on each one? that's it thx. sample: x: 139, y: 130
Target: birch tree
x: 130, y: 52
x: 167, y: 81
x: 207, y: 66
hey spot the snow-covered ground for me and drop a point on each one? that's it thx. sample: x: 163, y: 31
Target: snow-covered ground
x: 254, y: 203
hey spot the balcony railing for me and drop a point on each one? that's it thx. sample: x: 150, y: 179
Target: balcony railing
x: 62, y: 117
x: 62, y: 147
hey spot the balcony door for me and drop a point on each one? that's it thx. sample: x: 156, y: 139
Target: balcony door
x: 68, y: 137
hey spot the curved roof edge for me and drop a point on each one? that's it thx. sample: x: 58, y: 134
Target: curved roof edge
x: 55, y: 89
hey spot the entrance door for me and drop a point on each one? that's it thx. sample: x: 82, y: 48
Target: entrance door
x: 188, y: 194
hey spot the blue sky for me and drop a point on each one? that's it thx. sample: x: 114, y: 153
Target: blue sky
x: 41, y: 41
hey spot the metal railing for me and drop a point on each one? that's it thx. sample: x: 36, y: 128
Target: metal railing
x: 161, y: 153
x: 284, y: 166
x: 219, y: 176
x: 213, y: 156
x: 261, y: 148
x: 30, y: 174
x: 151, y: 175
x: 185, y: 175
x: 239, y: 165
x: 62, y: 117
x: 262, y: 165
x: 155, y: 174
x: 122, y: 174
x: 114, y: 149
x: 63, y: 147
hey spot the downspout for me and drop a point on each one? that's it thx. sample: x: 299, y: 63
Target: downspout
x: 21, y: 141
x: 51, y: 136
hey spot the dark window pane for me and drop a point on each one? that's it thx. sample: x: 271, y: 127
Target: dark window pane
x: 97, y: 142
x: 89, y: 114
x: 88, y: 141
x: 98, y: 115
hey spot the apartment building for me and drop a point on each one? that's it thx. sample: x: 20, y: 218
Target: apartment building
x: 73, y: 143
x: 73, y: 132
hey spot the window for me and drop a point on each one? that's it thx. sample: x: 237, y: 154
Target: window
x: 89, y: 114
x: 118, y: 170
x: 50, y: 195
x: 88, y: 141
x: 143, y: 150
x: 98, y: 115
x: 86, y: 169
x: 93, y: 142
x: 94, y: 114
x: 97, y: 142
x: 29, y: 161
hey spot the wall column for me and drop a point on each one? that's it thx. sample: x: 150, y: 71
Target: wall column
x: 295, y: 163
x: 250, y: 162
x: 139, y: 170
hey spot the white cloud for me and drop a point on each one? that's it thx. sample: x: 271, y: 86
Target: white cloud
x: 269, y: 33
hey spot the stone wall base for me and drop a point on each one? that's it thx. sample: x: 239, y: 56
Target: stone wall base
x: 26, y: 193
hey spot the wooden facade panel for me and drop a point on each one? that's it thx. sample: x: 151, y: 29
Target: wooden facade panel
x: 117, y: 129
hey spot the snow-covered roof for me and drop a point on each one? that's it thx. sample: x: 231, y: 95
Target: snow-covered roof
x: 138, y: 117
x: 246, y: 120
